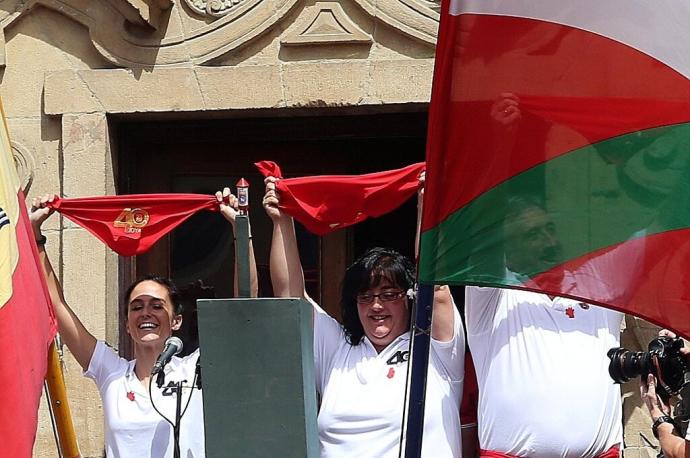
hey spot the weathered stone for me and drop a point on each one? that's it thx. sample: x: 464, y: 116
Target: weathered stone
x: 102, y: 90
x: 255, y: 86
x: 32, y: 50
x: 85, y: 152
x: 144, y: 11
x: 326, y: 85
x: 402, y: 81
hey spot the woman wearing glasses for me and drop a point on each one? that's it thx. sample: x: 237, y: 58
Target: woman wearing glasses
x: 361, y: 365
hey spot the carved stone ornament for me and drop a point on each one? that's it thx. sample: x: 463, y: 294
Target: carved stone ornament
x: 25, y: 163
x: 326, y: 24
x: 137, y: 33
x: 416, y: 18
x: 128, y: 45
x: 216, y: 8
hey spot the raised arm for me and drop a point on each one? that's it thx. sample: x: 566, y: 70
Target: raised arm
x: 287, y: 276
x: 78, y: 339
x: 672, y: 445
x: 229, y: 209
x: 443, y: 316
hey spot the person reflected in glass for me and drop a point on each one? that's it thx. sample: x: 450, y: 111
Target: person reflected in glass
x: 531, y: 242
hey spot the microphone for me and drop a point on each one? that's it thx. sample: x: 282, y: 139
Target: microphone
x: 172, y: 347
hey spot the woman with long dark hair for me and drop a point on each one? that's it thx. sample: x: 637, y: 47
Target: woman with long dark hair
x: 361, y: 365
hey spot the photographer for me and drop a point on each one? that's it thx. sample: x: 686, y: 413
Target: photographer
x: 664, y: 428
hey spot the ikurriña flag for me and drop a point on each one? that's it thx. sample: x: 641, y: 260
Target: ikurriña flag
x: 558, y: 157
x: 27, y: 321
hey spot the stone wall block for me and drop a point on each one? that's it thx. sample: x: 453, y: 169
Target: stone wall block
x: 402, y: 81
x: 74, y: 93
x: 328, y: 84
x: 88, y: 171
x: 41, y: 41
x: 84, y: 261
x: 85, y: 150
x: 85, y: 287
x: 292, y: 84
x: 122, y: 91
x: 240, y: 87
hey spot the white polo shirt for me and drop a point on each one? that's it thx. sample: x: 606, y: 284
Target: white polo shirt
x: 542, y: 370
x: 362, y: 394
x: 133, y: 429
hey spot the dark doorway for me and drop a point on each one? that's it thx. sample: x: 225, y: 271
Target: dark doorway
x: 202, y: 156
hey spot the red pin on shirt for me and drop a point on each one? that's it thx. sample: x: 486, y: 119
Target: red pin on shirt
x: 570, y: 312
x: 391, y: 373
x: 130, y: 395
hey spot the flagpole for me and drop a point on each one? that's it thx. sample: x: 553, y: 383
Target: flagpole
x: 418, y: 363
x: 59, y: 405
x: 413, y: 416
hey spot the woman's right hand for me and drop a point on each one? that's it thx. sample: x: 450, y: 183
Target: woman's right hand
x: 685, y: 350
x: 40, y: 212
x: 271, y: 199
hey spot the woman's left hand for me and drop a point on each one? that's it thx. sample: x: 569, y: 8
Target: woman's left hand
x: 651, y: 399
x: 229, y: 205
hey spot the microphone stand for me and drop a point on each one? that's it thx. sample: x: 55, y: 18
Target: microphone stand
x: 177, y: 390
x: 178, y: 418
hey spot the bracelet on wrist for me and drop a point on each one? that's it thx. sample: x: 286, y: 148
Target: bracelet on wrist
x: 661, y: 420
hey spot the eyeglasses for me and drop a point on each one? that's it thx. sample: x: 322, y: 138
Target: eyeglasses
x: 386, y: 296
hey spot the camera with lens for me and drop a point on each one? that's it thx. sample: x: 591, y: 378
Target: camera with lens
x: 663, y: 360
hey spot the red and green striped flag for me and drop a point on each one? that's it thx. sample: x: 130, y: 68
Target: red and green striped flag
x: 559, y: 152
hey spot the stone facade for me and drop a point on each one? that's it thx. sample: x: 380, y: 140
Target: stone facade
x: 70, y: 66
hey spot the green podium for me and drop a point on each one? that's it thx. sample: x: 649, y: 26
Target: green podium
x: 258, y: 378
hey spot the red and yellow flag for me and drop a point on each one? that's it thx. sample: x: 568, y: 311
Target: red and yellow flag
x: 27, y: 321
